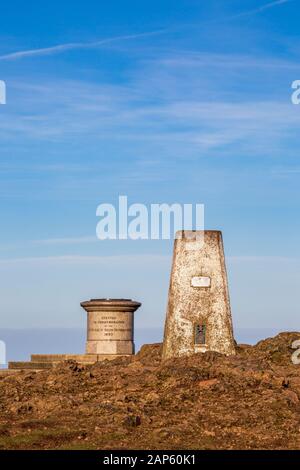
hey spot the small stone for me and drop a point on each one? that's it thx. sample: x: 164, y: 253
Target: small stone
x: 207, y: 383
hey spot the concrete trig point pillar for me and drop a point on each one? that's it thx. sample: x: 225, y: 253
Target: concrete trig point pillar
x: 110, y: 326
x: 198, y: 314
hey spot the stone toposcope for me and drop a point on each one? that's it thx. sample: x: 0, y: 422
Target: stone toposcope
x: 110, y: 326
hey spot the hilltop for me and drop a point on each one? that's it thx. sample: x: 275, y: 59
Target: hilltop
x: 205, y: 401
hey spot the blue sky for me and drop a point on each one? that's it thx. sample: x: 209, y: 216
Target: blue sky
x: 161, y: 101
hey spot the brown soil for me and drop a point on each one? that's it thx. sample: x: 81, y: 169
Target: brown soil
x: 205, y: 401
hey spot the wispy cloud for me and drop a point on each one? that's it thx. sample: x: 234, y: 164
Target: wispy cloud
x: 262, y: 259
x: 184, y: 116
x: 109, y: 261
x: 66, y: 241
x: 75, y: 45
x: 169, y: 115
x: 136, y: 259
x: 59, y: 48
x: 286, y: 172
x: 262, y: 8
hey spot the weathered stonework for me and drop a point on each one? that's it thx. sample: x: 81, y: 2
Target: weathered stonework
x: 110, y: 326
x: 198, y: 314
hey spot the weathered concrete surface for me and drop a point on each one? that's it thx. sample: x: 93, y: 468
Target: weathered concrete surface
x: 198, y: 296
x: 49, y: 361
x: 64, y: 357
x: 31, y: 365
x: 110, y: 326
x: 80, y: 358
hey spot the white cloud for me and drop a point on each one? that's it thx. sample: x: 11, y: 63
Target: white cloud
x: 263, y: 259
x: 110, y: 261
x: 48, y: 290
x: 138, y: 259
x: 66, y: 241
x: 41, y: 291
x: 262, y: 8
x: 74, y: 108
x: 75, y: 45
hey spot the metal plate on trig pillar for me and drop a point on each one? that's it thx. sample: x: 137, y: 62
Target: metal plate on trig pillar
x: 200, y: 281
x: 199, y: 334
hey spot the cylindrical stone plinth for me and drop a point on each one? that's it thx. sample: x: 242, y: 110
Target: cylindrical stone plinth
x: 110, y: 326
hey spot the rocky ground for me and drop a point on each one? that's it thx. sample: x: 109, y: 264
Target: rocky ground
x: 206, y: 401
